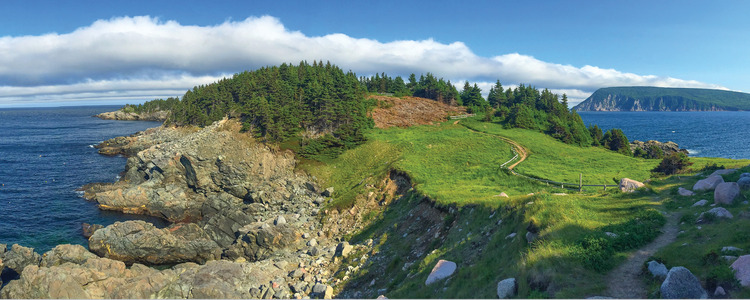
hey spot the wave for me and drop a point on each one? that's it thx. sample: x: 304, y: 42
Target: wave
x: 693, y: 152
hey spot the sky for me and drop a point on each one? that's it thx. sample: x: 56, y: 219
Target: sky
x: 85, y: 52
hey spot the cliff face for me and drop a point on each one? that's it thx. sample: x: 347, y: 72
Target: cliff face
x: 663, y: 99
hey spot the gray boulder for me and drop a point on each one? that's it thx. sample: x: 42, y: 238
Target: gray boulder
x: 657, y: 269
x: 19, y: 257
x: 344, y: 249
x: 506, y: 288
x: 685, y: 192
x: 443, y: 269
x: 724, y: 172
x: 61, y: 254
x: 744, y: 183
x: 682, y: 284
x: 708, y: 184
x: 628, y: 185
x: 142, y: 242
x: 719, y: 212
x: 741, y: 268
x: 726, y: 192
x: 700, y: 203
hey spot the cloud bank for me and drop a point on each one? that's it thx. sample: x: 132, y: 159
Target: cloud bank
x: 141, y: 58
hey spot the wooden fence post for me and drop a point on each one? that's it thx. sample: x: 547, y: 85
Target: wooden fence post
x: 580, y: 182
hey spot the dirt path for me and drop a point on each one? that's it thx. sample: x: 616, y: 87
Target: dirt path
x: 522, y: 153
x: 625, y: 280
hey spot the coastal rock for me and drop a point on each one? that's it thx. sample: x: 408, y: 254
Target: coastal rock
x: 66, y: 253
x: 443, y: 269
x: 708, y: 184
x: 89, y: 229
x: 726, y: 192
x: 159, y: 115
x: 506, y: 288
x: 657, y: 269
x: 741, y: 268
x: 138, y: 241
x: 744, y: 183
x: 259, y: 240
x: 652, y: 148
x: 682, y: 284
x: 685, y: 192
x: 628, y: 185
x: 19, y: 257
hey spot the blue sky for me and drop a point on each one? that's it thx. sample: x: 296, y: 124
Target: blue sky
x: 108, y: 52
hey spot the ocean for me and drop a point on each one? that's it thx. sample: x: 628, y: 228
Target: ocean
x: 45, y: 155
x: 707, y: 134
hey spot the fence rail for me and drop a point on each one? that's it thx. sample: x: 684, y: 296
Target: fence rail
x: 578, y: 185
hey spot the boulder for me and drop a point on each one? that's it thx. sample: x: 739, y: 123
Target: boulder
x: 657, y: 269
x: 343, y: 249
x: 61, y: 254
x: 685, y: 192
x: 142, y: 242
x: 503, y: 194
x: 708, y: 184
x: 279, y: 220
x: 506, y: 288
x: 723, y: 172
x: 730, y: 249
x: 682, y: 284
x: 19, y: 257
x: 743, y: 175
x: 259, y: 240
x: 719, y: 292
x: 628, y: 185
x: 443, y: 269
x: 741, y: 268
x: 719, y: 212
x: 702, y: 202
x: 744, y: 183
x: 726, y: 192
x: 89, y: 229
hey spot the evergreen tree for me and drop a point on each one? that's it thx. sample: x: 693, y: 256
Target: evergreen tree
x: 616, y: 140
x: 496, y: 97
x: 596, y: 135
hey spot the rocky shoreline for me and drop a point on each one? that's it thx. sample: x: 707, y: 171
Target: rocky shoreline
x: 120, y: 115
x: 244, y: 224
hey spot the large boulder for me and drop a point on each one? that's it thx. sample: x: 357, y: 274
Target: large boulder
x: 259, y: 241
x: 506, y: 288
x: 19, y: 257
x: 142, y: 242
x: 61, y: 254
x: 443, y: 269
x: 628, y: 185
x: 682, y: 284
x: 726, y: 192
x: 741, y: 268
x: 744, y: 183
x: 708, y: 184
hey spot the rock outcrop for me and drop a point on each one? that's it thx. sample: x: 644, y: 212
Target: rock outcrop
x: 258, y: 241
x: 66, y: 253
x: 19, y: 257
x: 142, y: 242
x: 160, y: 116
x: 652, y: 147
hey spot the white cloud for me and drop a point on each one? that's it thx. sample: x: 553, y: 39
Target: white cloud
x: 134, y: 57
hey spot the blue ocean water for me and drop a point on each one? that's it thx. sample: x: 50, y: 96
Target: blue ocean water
x: 45, y: 155
x: 707, y: 134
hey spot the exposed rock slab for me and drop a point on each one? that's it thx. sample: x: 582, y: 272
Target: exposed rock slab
x: 19, y: 257
x: 61, y: 254
x: 138, y: 241
x: 443, y: 269
x: 628, y: 185
x: 259, y: 240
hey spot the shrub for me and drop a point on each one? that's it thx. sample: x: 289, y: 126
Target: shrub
x: 673, y: 164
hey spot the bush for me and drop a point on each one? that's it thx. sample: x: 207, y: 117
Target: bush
x: 672, y: 164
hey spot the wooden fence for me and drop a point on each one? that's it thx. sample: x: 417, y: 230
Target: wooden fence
x: 569, y: 185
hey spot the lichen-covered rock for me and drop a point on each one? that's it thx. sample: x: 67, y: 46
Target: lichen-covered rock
x: 142, y: 242
x: 708, y: 184
x: 61, y: 254
x: 628, y: 185
x: 682, y: 284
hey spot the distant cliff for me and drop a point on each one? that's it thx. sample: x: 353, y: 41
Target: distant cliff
x: 639, y: 98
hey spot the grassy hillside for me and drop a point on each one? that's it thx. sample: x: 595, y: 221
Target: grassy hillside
x: 664, y: 99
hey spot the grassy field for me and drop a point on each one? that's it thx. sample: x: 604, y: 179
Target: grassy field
x: 457, y: 167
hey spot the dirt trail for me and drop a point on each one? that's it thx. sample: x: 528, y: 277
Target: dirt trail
x: 625, y: 280
x: 522, y: 153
